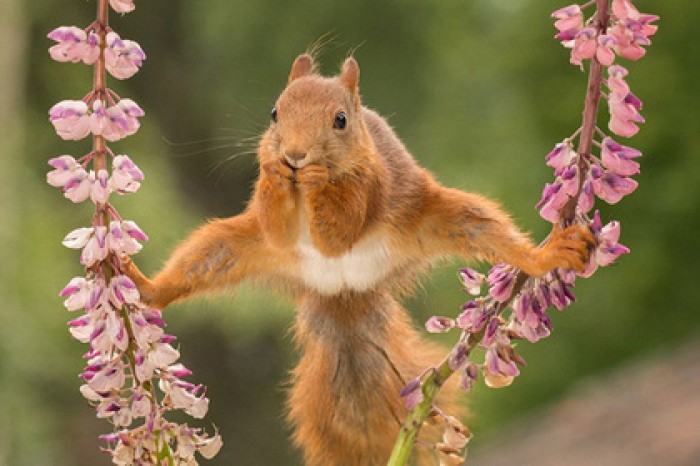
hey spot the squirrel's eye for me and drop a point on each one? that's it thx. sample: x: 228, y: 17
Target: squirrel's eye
x: 341, y: 121
x: 273, y: 115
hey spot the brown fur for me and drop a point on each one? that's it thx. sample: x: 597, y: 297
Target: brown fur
x: 351, y: 186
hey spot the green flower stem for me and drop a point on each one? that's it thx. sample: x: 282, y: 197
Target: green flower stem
x: 409, y: 431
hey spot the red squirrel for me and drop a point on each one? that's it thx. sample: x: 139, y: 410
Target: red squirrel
x: 344, y: 219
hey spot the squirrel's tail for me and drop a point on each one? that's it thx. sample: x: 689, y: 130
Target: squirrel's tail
x: 359, y: 349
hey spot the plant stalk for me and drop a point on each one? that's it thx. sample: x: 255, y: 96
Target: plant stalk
x: 406, y: 439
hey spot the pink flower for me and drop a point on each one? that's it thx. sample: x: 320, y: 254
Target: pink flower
x: 629, y: 43
x: 79, y: 187
x: 116, y: 122
x: 561, y: 156
x: 100, y: 187
x: 109, y: 123
x: 437, y: 324
x: 468, y: 377
x: 500, y: 369
x: 77, y: 293
x: 78, y: 238
x: 96, y: 248
x: 124, y: 237
x: 608, y: 249
x: 208, y: 447
x: 132, y: 112
x: 144, y: 366
x: 64, y: 168
x: 628, y: 14
x: 123, y: 58
x: 561, y: 294
x: 126, y: 176
x: 501, y: 281
x: 74, y: 45
x: 412, y: 393
x: 554, y: 198
x: 570, y: 180
x: 623, y: 105
x: 122, y: 6
x: 471, y: 280
x: 568, y: 18
x: 604, y: 52
x: 617, y: 158
x: 122, y: 291
x: 584, y: 45
x: 458, y: 356
x: 110, y: 377
x: 611, y: 187
x: 70, y: 119
x: 473, y: 317
x: 179, y: 370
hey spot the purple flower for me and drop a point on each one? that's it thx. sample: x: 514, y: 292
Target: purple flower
x: 501, y: 281
x: 126, y: 176
x: 468, y: 377
x: 570, y: 180
x: 96, y: 248
x: 70, y: 119
x: 437, y: 324
x: 471, y: 280
x: 64, y: 168
x: 74, y: 45
x: 124, y: 237
x: 473, y: 317
x: 561, y: 156
x: 122, y: 6
x: 561, y: 294
x: 623, y: 105
x: 608, y: 249
x: 568, y: 18
x: 122, y: 291
x: 617, y: 158
x: 77, y: 293
x: 412, y: 393
x: 100, y: 187
x: 110, y: 377
x: 500, y: 368
x: 554, y: 198
x: 611, y: 187
x: 458, y: 356
x: 123, y: 57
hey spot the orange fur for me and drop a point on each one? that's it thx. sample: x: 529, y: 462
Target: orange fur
x: 344, y: 218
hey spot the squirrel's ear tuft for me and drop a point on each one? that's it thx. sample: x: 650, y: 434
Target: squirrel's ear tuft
x: 350, y: 74
x: 303, y: 65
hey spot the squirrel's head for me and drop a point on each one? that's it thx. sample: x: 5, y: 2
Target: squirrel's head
x: 317, y: 119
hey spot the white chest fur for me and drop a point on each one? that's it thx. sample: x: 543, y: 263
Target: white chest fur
x: 359, y: 269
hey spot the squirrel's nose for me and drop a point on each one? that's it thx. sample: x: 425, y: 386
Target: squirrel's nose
x: 295, y: 158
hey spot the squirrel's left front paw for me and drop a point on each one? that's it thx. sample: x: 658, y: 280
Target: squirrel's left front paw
x: 570, y: 248
x: 312, y: 177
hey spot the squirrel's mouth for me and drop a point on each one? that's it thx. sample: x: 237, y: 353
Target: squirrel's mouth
x: 295, y: 164
x: 290, y: 165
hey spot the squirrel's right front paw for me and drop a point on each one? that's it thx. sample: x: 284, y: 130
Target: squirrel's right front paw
x: 279, y: 174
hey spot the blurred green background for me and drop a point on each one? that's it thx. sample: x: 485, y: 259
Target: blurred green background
x: 478, y: 90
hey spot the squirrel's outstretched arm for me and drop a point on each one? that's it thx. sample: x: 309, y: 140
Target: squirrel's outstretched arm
x: 217, y: 255
x: 471, y: 226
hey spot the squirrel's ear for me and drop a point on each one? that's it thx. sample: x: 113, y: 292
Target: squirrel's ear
x: 350, y: 74
x: 303, y: 65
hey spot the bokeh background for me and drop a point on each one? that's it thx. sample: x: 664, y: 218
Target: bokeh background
x: 478, y: 90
